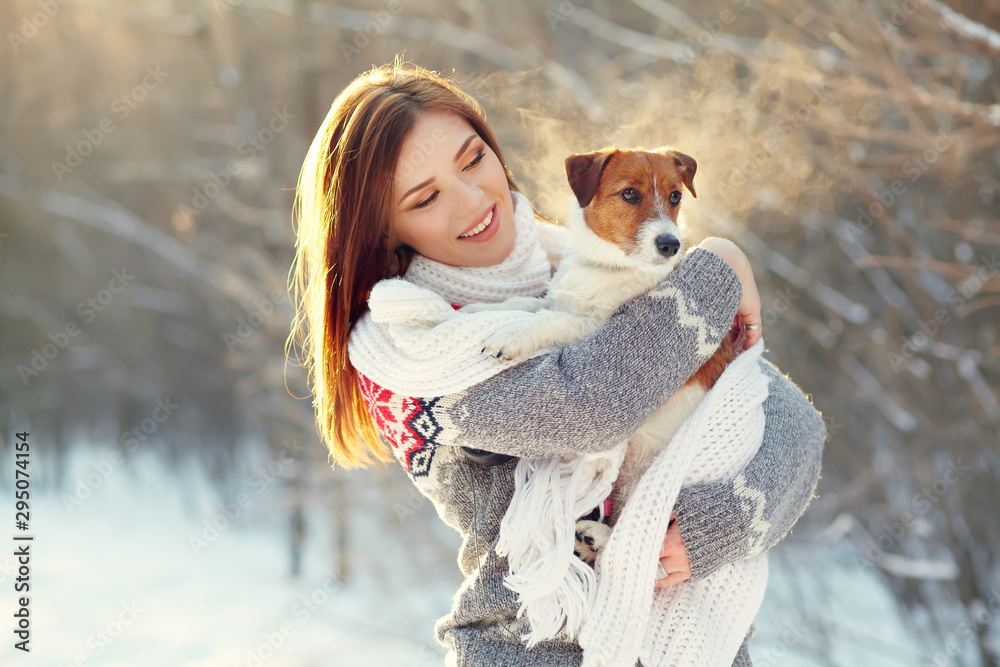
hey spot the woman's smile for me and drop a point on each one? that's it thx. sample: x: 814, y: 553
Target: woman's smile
x: 485, y: 230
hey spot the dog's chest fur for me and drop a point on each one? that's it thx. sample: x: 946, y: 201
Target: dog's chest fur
x: 594, y: 292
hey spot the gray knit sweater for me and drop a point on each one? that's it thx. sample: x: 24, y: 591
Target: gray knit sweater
x: 582, y: 398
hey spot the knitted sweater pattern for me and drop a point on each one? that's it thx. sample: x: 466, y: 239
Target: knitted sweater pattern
x: 585, y: 397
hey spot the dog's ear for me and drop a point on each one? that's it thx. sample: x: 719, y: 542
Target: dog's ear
x: 688, y: 167
x: 584, y: 173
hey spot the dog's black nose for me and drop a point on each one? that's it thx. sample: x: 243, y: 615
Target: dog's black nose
x: 667, y: 244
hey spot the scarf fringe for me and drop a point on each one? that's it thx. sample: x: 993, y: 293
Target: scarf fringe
x: 538, y: 533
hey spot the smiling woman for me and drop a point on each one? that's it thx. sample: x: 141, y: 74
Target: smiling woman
x: 407, y: 212
x: 460, y: 212
x: 390, y: 131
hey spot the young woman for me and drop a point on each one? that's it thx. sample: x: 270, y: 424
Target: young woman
x: 406, y: 212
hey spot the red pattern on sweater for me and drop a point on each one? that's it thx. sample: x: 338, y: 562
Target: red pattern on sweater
x: 407, y: 423
x: 392, y: 414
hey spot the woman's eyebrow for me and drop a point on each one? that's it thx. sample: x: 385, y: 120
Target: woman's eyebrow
x: 465, y: 144
x: 415, y: 188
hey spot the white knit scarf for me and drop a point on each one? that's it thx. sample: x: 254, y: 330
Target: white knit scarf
x: 411, y: 341
x: 699, y: 623
x: 414, y: 343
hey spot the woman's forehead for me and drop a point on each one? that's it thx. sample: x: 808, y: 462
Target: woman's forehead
x: 437, y: 138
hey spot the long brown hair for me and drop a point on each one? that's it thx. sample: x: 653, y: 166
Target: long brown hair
x: 345, y: 241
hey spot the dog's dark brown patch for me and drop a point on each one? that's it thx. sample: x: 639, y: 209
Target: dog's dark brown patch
x: 600, y: 177
x: 713, y: 368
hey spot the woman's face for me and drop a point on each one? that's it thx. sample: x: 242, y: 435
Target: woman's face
x: 450, y: 200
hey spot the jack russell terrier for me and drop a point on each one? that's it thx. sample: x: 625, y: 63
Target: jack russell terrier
x: 626, y: 236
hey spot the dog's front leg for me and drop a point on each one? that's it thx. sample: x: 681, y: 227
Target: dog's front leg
x: 549, y: 328
x: 591, y: 538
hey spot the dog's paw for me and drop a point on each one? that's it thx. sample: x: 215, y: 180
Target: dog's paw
x: 591, y: 538
x: 510, y: 343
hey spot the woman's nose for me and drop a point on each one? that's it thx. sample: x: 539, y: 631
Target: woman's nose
x: 471, y: 195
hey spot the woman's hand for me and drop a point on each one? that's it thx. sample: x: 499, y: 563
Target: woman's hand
x: 749, y: 311
x: 673, y: 557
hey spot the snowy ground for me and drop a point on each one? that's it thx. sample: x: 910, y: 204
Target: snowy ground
x: 118, y: 582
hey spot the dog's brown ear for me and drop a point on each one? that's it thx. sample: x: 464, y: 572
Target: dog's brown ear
x: 688, y: 167
x: 584, y: 173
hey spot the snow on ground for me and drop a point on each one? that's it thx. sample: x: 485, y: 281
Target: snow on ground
x: 117, y: 582
x: 822, y: 609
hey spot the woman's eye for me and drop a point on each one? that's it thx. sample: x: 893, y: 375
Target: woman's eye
x: 675, y: 198
x: 631, y: 195
x: 471, y: 165
x: 427, y: 201
x: 478, y: 159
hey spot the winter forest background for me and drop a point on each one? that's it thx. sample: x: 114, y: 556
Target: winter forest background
x: 184, y: 511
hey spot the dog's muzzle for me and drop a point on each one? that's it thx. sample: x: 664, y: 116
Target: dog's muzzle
x: 667, y: 245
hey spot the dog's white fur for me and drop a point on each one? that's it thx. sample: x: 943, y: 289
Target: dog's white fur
x: 594, y: 279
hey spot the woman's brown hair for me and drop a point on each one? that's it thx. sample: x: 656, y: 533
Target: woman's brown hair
x: 345, y: 243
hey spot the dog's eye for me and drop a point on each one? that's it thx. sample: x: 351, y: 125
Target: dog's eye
x: 675, y: 198
x: 631, y: 195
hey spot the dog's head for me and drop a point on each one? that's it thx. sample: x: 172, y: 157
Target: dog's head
x: 631, y: 199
